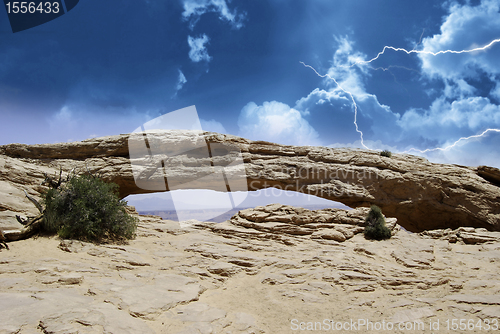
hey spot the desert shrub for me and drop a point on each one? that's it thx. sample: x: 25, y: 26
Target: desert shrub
x: 375, y: 225
x: 386, y: 153
x: 87, y: 208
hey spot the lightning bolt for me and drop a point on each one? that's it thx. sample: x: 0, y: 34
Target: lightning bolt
x: 388, y: 69
x: 420, y: 39
x: 482, y: 48
x: 348, y: 93
x: 454, y: 144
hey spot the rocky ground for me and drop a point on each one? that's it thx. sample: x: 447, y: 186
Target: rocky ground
x: 274, y: 269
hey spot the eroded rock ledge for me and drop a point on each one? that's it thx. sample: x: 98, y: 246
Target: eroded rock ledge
x: 420, y: 194
x: 283, y: 222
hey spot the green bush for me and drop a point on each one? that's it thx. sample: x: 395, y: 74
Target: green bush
x: 87, y: 208
x: 375, y: 225
x: 386, y: 153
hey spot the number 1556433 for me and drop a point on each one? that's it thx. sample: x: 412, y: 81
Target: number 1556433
x: 32, y: 7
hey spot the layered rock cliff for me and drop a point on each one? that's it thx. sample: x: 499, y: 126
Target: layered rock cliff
x: 420, y: 194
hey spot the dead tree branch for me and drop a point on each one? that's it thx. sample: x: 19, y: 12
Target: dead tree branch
x: 51, y: 181
x: 35, y: 202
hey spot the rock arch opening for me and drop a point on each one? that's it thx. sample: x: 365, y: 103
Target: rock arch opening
x: 204, y: 205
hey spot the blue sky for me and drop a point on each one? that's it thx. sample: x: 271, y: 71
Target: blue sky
x: 104, y: 70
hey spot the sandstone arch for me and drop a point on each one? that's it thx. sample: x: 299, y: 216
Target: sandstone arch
x: 422, y: 195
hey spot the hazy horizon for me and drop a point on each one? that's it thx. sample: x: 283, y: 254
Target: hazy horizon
x: 163, y: 201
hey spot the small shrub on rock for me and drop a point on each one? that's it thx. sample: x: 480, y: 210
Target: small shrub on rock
x: 87, y: 208
x: 375, y: 225
x: 386, y: 153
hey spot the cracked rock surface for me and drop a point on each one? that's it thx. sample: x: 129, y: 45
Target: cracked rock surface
x: 252, y: 274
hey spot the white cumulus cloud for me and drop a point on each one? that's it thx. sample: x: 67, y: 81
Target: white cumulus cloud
x: 198, y: 50
x: 460, y: 110
x: 320, y: 97
x: 349, y: 84
x: 276, y: 122
x: 194, y: 9
x: 445, y: 120
x: 350, y: 78
x: 212, y: 125
x: 465, y: 28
